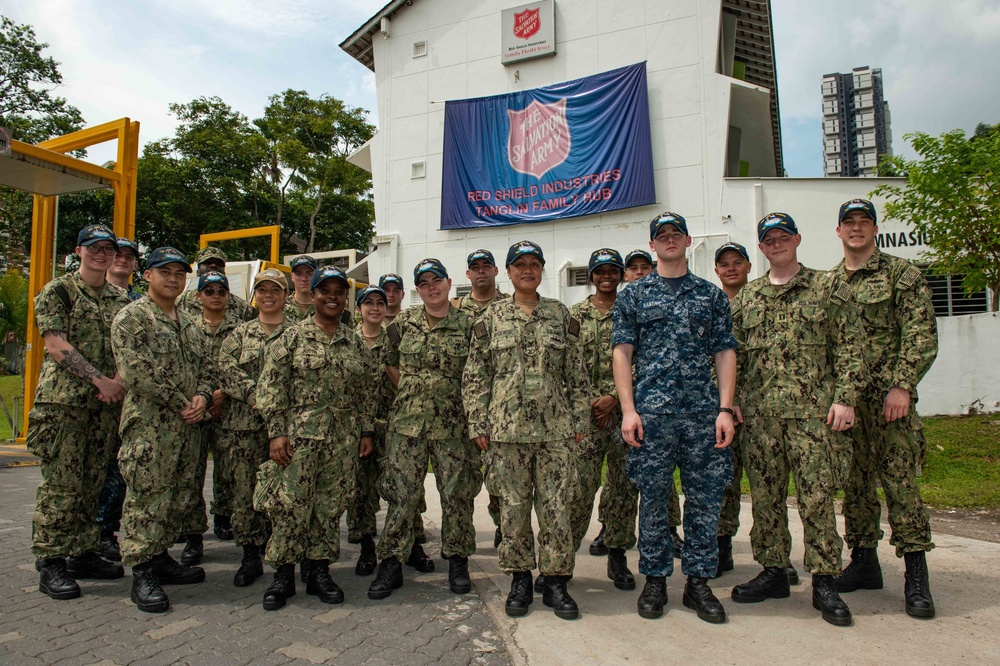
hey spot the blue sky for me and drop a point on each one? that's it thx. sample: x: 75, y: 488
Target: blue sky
x: 134, y: 58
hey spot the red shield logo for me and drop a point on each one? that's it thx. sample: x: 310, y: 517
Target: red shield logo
x: 527, y: 23
x: 538, y: 139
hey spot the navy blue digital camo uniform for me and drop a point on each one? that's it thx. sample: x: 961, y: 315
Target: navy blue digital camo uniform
x: 676, y: 330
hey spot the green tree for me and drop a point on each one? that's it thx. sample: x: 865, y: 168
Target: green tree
x: 13, y: 305
x: 952, y: 196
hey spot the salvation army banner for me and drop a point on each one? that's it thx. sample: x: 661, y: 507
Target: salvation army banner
x: 575, y: 148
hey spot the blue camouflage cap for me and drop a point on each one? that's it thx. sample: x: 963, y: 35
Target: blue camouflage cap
x: 524, y: 248
x: 480, y: 254
x: 781, y: 221
x: 731, y: 247
x: 604, y: 256
x: 429, y: 265
x: 328, y: 273
x: 390, y: 278
x: 863, y: 205
x: 673, y: 219
x: 304, y: 260
x: 213, y: 277
x: 637, y: 254
x: 162, y: 256
x: 368, y: 291
x: 93, y: 233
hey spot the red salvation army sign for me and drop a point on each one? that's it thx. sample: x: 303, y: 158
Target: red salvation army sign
x: 528, y: 31
x: 539, y: 139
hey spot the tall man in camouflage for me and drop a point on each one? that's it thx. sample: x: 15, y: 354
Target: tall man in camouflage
x: 430, y: 347
x: 242, y: 433
x: 801, y: 370
x: 71, y: 427
x: 673, y: 325
x: 527, y: 397
x: 606, y: 270
x: 168, y: 373
x: 900, y: 344
x: 213, y: 260
x: 109, y: 505
x: 482, y: 274
x: 312, y: 395
x: 299, y: 304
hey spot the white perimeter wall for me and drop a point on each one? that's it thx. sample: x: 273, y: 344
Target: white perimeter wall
x: 965, y: 377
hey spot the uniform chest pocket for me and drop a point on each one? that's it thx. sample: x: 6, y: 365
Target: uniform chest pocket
x: 452, y: 354
x: 165, y: 343
x: 250, y: 355
x: 876, y: 307
x: 813, y: 325
x: 753, y: 327
x: 309, y: 361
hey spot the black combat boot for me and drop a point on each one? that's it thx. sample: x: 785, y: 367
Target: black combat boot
x: 618, y: 569
x: 147, y: 594
x: 305, y: 566
x: 539, y: 585
x: 917, y: 588
x: 223, y: 528
x: 597, y: 548
x: 194, y: 550
x: 557, y: 598
x: 90, y: 565
x: 653, y: 597
x: 863, y: 571
x: 108, y: 547
x: 828, y: 601
x: 169, y: 572
x: 419, y: 560
x: 251, y: 566
x: 520, y: 596
x: 677, y: 541
x: 54, y: 581
x: 321, y: 585
x: 389, y: 578
x: 365, y: 565
x: 792, y: 574
x: 282, y: 588
x: 497, y: 537
x: 698, y: 597
x: 771, y: 583
x: 725, y: 555
x: 458, y: 574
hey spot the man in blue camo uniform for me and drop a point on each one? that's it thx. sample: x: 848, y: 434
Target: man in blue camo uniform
x: 675, y: 324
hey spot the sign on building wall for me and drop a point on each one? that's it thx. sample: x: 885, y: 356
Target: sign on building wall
x: 528, y: 32
x: 575, y: 148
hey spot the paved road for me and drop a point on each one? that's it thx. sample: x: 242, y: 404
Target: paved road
x: 217, y: 624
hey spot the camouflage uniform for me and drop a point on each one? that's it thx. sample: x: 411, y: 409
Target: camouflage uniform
x: 164, y: 364
x: 469, y: 305
x: 69, y: 429
x: 595, y: 335
x: 294, y: 314
x: 900, y: 344
x: 313, y: 389
x: 211, y: 434
x: 241, y: 429
x: 799, y: 353
x: 526, y: 387
x: 427, y: 421
x: 675, y: 335
x: 236, y: 306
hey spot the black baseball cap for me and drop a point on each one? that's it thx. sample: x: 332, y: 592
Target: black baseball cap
x: 328, y: 273
x: 92, y: 233
x: 731, y: 247
x: 303, y: 260
x: 521, y: 249
x: 213, y: 277
x: 604, y: 256
x: 480, y: 254
x: 389, y: 278
x: 781, y: 221
x: 162, y: 256
x: 429, y: 265
x: 368, y: 291
x: 863, y: 205
x: 638, y: 254
x: 673, y: 219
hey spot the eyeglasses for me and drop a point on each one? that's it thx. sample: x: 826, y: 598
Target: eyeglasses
x: 210, y: 291
x: 108, y: 250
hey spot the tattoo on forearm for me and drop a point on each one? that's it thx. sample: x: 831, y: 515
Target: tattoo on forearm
x: 74, y: 362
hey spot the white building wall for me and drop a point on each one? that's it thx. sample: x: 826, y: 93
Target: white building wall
x: 960, y: 381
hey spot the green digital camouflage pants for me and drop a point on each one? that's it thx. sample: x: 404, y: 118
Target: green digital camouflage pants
x: 589, y: 458
x: 540, y: 475
x: 73, y: 444
x: 619, y: 503
x: 458, y: 480
x: 304, y: 500
x: 158, y: 459
x: 889, y: 453
x: 222, y: 481
x: 247, y: 450
x: 729, y: 519
x: 818, y: 460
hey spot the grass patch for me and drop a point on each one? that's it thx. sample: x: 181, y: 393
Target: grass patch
x: 961, y: 468
x: 10, y: 386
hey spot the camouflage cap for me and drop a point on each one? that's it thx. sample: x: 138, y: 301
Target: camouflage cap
x: 731, y: 247
x: 480, y: 254
x: 213, y: 277
x: 271, y: 275
x: 93, y: 233
x: 638, y: 254
x: 304, y: 260
x: 209, y: 252
x: 390, y: 278
x: 429, y: 265
x: 605, y: 256
x: 673, y: 219
x: 162, y: 256
x: 328, y: 273
x: 368, y: 291
x: 781, y: 221
x: 862, y: 205
x: 524, y: 248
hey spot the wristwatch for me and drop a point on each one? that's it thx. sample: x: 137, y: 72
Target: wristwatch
x: 729, y: 411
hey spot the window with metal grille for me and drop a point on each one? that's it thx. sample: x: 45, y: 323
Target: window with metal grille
x: 950, y: 299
